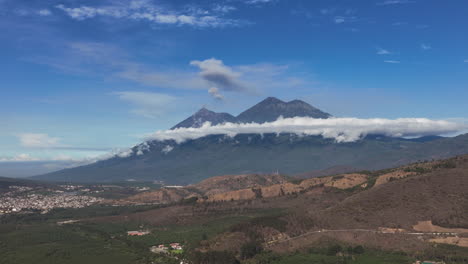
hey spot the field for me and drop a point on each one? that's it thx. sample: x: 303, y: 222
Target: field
x: 38, y: 239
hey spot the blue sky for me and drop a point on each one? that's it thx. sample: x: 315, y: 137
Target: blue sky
x: 79, y: 78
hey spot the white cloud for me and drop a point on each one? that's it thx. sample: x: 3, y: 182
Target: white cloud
x: 125, y: 154
x: 254, y: 2
x: 142, y: 10
x: 167, y: 149
x: 44, y: 12
x: 344, y: 19
x: 19, y: 158
x: 223, y: 8
x: 392, y: 61
x: 339, y: 20
x: 381, y: 51
x: 327, y: 11
x: 340, y: 129
x: 214, y: 92
x: 426, y: 46
x: 34, y: 140
x: 148, y: 104
x: 395, y: 2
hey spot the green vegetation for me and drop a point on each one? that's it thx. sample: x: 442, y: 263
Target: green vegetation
x: 188, y: 235
x: 60, y: 214
x: 339, y: 256
x: 96, y: 242
x: 447, y: 164
x: 213, y: 257
x: 250, y: 249
x: 68, y: 244
x: 417, y: 169
x: 448, y: 253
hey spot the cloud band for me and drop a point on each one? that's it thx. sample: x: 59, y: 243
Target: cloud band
x: 341, y: 129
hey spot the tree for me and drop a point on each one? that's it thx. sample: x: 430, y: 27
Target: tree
x: 358, y: 250
x: 333, y: 250
x: 250, y: 249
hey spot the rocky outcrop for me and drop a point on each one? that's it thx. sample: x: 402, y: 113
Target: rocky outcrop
x: 347, y: 181
x: 246, y: 194
x: 222, y: 184
x: 163, y: 196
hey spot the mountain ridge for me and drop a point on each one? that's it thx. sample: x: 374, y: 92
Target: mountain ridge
x: 268, y: 110
x: 271, y: 108
x: 204, y: 115
x: 195, y: 160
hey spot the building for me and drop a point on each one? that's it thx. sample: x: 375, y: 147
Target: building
x: 176, y: 246
x: 137, y: 233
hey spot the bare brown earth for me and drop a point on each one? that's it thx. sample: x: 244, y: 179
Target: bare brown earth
x: 439, y: 195
x: 243, y: 187
x: 222, y: 184
x: 427, y: 226
x: 394, y: 175
x: 209, y: 187
x: 391, y: 242
x: 376, y: 209
x: 347, y: 181
x: 456, y: 241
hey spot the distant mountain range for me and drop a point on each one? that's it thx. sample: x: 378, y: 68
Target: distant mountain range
x: 213, y: 155
x: 5, y: 183
x: 267, y: 110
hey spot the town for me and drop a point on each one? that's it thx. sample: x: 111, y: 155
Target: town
x: 20, y: 198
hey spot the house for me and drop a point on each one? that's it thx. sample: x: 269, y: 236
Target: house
x: 163, y: 247
x: 137, y: 233
x: 159, y: 249
x: 176, y: 246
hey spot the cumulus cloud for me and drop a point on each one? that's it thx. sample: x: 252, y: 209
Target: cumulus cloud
x: 148, y: 104
x: 34, y: 140
x: 340, y: 129
x: 216, y: 73
x: 143, y: 10
x: 214, y: 92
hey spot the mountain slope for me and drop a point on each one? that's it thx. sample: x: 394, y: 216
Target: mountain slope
x: 271, y: 108
x: 437, y: 194
x: 204, y: 115
x: 195, y: 160
x: 267, y: 110
x: 212, y: 155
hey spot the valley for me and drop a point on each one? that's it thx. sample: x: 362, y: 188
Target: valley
x: 254, y: 218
